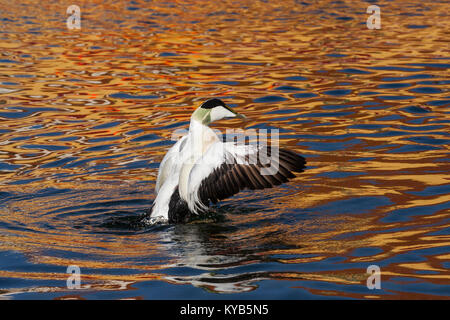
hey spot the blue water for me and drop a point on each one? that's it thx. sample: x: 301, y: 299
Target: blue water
x: 86, y: 117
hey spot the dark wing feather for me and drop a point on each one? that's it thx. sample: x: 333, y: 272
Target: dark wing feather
x: 229, y: 179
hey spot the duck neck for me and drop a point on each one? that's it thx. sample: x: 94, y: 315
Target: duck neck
x: 201, y: 136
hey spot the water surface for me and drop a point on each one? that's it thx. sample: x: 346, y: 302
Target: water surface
x: 87, y: 115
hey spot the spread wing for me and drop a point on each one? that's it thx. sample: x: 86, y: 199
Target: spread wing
x: 227, y: 168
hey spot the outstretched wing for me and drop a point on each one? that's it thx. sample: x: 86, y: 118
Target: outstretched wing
x: 226, y: 169
x: 170, y: 162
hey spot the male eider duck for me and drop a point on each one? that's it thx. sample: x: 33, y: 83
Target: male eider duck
x: 200, y: 168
